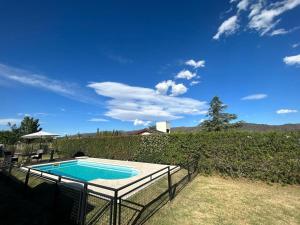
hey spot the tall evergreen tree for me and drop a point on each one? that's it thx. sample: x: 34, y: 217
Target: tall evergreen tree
x: 218, y: 119
x: 29, y: 125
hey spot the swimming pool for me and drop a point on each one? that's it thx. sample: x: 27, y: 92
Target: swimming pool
x: 87, y: 171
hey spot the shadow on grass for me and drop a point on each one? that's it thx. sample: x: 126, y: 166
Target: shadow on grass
x: 37, y: 205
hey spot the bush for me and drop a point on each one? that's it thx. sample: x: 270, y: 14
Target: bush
x: 272, y: 156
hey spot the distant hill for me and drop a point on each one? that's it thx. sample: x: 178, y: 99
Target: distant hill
x: 245, y: 127
x: 248, y: 127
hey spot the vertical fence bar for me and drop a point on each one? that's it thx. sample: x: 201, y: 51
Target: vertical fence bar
x: 83, y: 204
x: 115, y: 210
x: 10, y: 168
x: 189, y: 172
x: 170, y: 184
x: 119, y: 217
x: 111, y: 211
x: 27, y: 178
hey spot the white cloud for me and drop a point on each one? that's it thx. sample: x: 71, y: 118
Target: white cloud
x: 265, y: 19
x: 279, y: 32
x: 285, y: 111
x: 178, y: 89
x: 263, y: 16
x: 201, y: 121
x: 28, y: 78
x: 228, y: 27
x: 175, y: 89
x: 256, y: 8
x: 128, y: 103
x: 194, y: 82
x: 163, y: 87
x: 292, y: 60
x: 195, y: 64
x: 243, y: 5
x: 255, y: 97
x: 185, y: 74
x: 138, y: 122
x: 23, y: 114
x: 295, y: 45
x: 120, y: 59
x: 97, y: 120
x: 4, y: 122
x: 282, y: 31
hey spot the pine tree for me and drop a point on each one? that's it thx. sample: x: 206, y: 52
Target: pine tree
x: 218, y: 119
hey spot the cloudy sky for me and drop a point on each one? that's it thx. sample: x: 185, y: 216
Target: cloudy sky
x: 126, y: 64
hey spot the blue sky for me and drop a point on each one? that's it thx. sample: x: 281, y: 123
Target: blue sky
x: 123, y: 65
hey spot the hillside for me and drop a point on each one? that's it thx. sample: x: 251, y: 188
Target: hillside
x: 248, y: 127
x: 245, y: 127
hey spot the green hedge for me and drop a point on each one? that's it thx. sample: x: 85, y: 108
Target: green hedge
x: 272, y: 156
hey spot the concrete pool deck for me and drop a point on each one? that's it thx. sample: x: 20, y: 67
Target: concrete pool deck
x: 144, y: 169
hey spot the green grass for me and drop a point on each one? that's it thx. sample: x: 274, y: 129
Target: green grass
x: 206, y: 200
x: 216, y: 200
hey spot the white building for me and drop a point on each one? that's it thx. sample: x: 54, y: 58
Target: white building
x: 163, y: 126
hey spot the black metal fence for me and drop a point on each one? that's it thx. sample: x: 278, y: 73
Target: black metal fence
x: 90, y: 203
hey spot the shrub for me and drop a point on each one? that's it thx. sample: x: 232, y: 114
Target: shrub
x: 271, y: 156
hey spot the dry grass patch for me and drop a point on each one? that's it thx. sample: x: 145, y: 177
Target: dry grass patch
x: 216, y: 200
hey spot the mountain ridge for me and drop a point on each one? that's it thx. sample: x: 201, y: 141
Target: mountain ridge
x: 248, y: 127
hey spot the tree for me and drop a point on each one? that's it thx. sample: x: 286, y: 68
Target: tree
x: 218, y: 119
x: 29, y: 125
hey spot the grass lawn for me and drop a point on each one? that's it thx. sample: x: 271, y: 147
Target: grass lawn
x: 206, y: 200
x: 216, y: 200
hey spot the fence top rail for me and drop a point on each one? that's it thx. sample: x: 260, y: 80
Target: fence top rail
x: 92, y: 184
x: 143, y: 184
x: 72, y: 179
x: 142, y: 178
x: 167, y: 168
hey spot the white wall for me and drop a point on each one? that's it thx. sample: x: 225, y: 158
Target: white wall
x: 163, y: 126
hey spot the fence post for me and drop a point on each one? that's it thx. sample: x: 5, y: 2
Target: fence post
x: 83, y: 204
x: 10, y: 168
x: 170, y: 184
x: 115, y: 210
x: 119, y: 215
x: 111, y: 211
x: 27, y: 178
x: 189, y: 172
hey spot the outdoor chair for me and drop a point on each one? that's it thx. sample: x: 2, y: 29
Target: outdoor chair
x: 10, y: 158
x: 39, y: 154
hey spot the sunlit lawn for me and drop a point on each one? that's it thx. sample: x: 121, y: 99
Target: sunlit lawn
x: 206, y: 200
x: 215, y: 200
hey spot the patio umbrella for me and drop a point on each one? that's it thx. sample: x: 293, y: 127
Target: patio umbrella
x: 41, y: 135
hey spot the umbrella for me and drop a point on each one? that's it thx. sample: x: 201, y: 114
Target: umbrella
x: 40, y: 134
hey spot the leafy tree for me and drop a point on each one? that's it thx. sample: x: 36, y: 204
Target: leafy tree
x: 29, y: 125
x: 218, y: 119
x: 11, y: 136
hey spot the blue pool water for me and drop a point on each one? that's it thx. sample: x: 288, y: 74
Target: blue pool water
x: 87, y: 171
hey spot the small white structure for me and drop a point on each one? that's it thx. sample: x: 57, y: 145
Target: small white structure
x: 163, y: 126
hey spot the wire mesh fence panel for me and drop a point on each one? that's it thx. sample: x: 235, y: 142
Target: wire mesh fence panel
x: 17, y: 174
x: 194, y: 170
x: 179, y: 178
x: 35, y: 181
x: 178, y: 175
x: 98, y: 210
x: 145, y: 202
x: 69, y: 202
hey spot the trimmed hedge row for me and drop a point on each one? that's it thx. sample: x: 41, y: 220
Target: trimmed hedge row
x: 272, y: 156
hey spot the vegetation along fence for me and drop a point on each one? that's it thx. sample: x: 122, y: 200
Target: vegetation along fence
x: 268, y: 156
x: 88, y: 203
